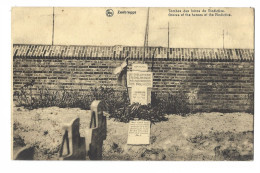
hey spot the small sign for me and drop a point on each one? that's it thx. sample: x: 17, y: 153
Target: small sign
x: 139, y: 132
x: 139, y: 67
x: 135, y: 78
x: 139, y: 95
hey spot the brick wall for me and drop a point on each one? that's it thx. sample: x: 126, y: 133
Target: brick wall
x: 211, y: 84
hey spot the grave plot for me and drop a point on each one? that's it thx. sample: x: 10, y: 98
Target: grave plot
x: 200, y: 136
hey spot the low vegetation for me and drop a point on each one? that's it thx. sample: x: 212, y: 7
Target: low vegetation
x: 116, y: 103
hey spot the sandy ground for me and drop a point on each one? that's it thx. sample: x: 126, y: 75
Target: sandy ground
x: 201, y: 136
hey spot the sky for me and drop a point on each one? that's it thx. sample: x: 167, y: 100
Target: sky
x: 91, y: 26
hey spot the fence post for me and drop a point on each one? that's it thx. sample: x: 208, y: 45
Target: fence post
x: 73, y: 146
x: 96, y: 132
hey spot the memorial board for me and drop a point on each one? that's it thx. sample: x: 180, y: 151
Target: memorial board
x: 139, y: 132
x: 140, y: 67
x: 135, y: 78
x: 139, y: 95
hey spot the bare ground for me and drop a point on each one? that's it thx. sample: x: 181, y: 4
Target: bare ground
x: 200, y: 136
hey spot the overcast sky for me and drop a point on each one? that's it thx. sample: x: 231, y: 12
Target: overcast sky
x: 91, y: 26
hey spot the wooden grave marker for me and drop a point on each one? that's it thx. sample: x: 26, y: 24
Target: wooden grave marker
x: 140, y: 83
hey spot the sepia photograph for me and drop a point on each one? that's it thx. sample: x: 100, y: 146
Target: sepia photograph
x: 137, y: 84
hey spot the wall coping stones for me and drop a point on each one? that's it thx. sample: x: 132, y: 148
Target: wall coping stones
x: 133, y: 52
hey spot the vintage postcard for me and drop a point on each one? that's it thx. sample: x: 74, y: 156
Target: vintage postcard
x: 116, y: 83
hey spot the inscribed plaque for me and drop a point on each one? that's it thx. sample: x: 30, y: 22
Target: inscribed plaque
x: 139, y: 79
x: 139, y: 95
x: 139, y: 132
x: 139, y: 67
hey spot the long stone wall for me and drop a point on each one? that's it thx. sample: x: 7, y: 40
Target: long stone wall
x: 223, y: 83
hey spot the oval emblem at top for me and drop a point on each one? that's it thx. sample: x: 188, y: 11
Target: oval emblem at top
x: 109, y: 12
